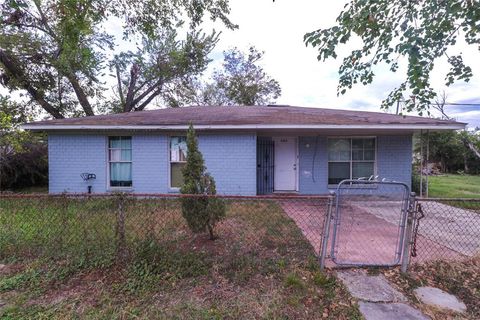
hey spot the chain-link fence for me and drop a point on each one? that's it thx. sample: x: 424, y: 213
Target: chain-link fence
x: 376, y: 223
x: 368, y: 226
x: 369, y: 223
x: 100, y: 229
x: 445, y: 229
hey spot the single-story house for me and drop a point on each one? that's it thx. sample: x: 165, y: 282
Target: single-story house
x: 248, y: 150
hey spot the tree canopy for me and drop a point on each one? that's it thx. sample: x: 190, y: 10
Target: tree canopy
x: 421, y: 31
x: 240, y: 81
x: 60, y: 52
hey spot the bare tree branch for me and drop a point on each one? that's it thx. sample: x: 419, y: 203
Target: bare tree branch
x: 149, y: 99
x: 440, y: 106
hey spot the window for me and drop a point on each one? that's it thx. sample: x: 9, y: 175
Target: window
x: 120, y: 161
x: 350, y: 158
x: 178, y: 158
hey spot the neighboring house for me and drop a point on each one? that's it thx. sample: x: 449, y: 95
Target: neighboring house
x: 248, y: 150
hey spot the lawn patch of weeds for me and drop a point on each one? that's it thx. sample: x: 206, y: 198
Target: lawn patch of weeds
x: 154, y: 263
x: 294, y: 281
x: 260, y: 267
x: 27, y: 278
x: 322, y: 280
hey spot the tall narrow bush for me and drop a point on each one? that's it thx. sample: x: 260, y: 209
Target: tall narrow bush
x: 200, y: 211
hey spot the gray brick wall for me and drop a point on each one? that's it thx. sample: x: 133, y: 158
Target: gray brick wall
x: 150, y: 164
x: 230, y: 158
x: 312, y: 163
x: 70, y: 156
x: 394, y: 162
x: 394, y: 154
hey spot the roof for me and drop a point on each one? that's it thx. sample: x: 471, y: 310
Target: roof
x: 245, y: 117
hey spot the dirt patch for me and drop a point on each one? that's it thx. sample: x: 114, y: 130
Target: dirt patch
x: 8, y: 269
x: 460, y: 278
x: 85, y: 285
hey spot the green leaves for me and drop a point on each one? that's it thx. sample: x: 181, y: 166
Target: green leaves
x: 420, y: 31
x: 240, y: 81
x: 61, y: 50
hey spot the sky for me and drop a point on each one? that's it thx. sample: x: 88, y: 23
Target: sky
x: 278, y: 29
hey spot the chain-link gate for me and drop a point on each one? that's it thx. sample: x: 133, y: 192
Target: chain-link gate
x: 369, y: 220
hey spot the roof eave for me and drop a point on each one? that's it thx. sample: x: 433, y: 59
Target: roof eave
x: 443, y: 126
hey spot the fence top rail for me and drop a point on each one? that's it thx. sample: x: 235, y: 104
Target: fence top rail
x: 159, y: 195
x: 448, y: 199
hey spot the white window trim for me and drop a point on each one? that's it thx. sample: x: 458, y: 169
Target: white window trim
x: 107, y: 161
x: 329, y: 185
x: 169, y: 155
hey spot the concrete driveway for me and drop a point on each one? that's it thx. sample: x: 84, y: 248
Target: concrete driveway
x: 369, y: 230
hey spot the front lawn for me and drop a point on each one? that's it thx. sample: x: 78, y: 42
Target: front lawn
x: 454, y: 186
x: 60, y: 260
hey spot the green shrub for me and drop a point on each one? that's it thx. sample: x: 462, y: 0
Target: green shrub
x: 203, y: 212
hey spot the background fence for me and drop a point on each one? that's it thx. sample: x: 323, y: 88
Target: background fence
x: 446, y: 229
x: 102, y: 229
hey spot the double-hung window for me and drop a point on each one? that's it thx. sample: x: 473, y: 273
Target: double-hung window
x: 120, y: 161
x: 350, y: 158
x: 178, y: 159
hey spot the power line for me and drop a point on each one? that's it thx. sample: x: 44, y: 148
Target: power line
x: 448, y: 103
x: 460, y: 104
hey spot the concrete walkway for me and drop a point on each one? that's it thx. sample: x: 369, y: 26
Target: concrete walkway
x: 378, y: 300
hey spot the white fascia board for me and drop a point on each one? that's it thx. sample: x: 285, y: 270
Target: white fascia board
x: 47, y: 127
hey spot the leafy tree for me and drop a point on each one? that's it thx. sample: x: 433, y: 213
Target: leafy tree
x: 241, y: 81
x: 23, y: 156
x: 201, y: 212
x: 449, y: 150
x: 59, y: 52
x: 422, y: 31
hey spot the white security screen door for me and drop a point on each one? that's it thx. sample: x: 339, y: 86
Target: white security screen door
x: 285, y: 178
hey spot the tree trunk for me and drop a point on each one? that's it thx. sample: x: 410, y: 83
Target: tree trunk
x: 82, y: 97
x: 471, y: 146
x: 129, y: 102
x: 14, y: 69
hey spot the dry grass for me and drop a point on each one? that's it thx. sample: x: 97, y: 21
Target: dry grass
x: 260, y: 267
x: 460, y: 278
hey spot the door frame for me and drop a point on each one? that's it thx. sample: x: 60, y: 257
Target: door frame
x: 297, y: 169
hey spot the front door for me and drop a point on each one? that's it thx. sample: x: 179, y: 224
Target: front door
x: 285, y: 164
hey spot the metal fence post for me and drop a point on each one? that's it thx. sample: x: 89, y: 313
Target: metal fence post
x: 120, y: 227
x: 326, y: 230
x: 408, y: 233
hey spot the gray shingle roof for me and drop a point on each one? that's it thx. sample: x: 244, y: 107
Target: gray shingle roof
x: 277, y: 116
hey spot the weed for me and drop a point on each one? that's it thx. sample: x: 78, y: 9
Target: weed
x: 30, y: 277
x: 292, y: 280
x: 322, y: 280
